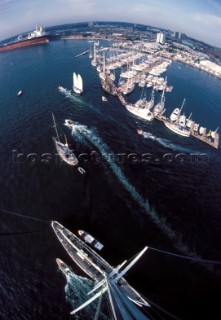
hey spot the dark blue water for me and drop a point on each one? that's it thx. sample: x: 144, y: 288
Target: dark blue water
x: 172, y: 206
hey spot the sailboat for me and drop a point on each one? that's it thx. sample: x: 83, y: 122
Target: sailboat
x: 64, y: 151
x: 129, y: 87
x: 112, y: 75
x: 97, y: 268
x: 159, y: 106
x: 90, y: 54
x: 77, y: 83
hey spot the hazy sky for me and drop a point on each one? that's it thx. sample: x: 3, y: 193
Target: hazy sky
x: 200, y: 19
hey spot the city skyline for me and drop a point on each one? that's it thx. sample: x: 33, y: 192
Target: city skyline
x: 199, y: 20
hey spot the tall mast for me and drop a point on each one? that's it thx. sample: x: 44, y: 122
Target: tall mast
x: 181, y: 109
x: 95, y: 53
x: 55, y: 126
x: 120, y: 275
x: 66, y: 143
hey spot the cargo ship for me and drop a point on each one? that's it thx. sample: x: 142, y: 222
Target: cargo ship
x: 35, y: 37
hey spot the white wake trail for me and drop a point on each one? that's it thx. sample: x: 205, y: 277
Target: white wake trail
x: 79, y: 130
x: 161, y: 222
x: 164, y: 142
x: 77, y: 99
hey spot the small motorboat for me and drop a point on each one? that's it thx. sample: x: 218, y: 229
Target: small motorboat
x: 69, y: 123
x: 64, y: 267
x: 81, y: 170
x: 104, y: 98
x: 139, y: 131
x: 19, y: 93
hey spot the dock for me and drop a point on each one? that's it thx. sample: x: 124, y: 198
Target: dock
x: 109, y: 87
x: 81, y: 54
x: 204, y: 138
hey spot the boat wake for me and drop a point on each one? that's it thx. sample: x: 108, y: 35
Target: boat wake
x: 164, y: 142
x: 76, y: 291
x: 79, y: 130
x: 76, y: 98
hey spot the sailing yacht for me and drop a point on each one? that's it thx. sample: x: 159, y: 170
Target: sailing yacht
x: 90, y: 53
x: 129, y: 88
x: 112, y: 75
x: 77, y: 83
x: 64, y: 151
x: 149, y: 104
x: 179, y: 125
x: 159, y: 106
x: 95, y: 266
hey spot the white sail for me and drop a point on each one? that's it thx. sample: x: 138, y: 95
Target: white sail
x: 77, y: 83
x: 74, y: 80
x: 80, y: 83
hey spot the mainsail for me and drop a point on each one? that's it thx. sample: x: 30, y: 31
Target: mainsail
x: 77, y: 83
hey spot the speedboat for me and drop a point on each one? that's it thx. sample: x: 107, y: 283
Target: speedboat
x: 61, y: 88
x: 19, y: 93
x: 139, y: 131
x: 69, y: 123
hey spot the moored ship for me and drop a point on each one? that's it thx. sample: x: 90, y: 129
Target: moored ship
x: 90, y: 239
x: 35, y: 37
x: 94, y: 265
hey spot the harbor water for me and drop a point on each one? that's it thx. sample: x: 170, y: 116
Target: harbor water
x: 170, y: 201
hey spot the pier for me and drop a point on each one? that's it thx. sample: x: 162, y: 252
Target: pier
x: 81, y: 54
x: 204, y: 138
x: 109, y: 87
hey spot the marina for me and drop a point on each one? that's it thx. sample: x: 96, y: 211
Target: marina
x: 138, y: 74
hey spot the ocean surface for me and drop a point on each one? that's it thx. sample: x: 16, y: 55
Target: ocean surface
x: 123, y: 201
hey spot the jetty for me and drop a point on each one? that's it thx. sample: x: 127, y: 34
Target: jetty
x: 81, y: 54
x: 213, y: 142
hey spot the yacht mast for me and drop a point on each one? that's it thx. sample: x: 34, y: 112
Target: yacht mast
x: 55, y: 127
